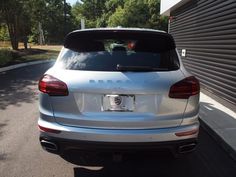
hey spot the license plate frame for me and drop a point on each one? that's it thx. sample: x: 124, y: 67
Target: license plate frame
x: 118, y: 102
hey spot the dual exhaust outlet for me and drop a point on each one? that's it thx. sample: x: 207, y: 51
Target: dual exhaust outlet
x: 187, y: 148
x: 49, y: 146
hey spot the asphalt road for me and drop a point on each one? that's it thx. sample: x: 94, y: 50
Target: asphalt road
x: 22, y: 156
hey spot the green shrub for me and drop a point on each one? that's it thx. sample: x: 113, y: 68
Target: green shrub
x: 5, y: 56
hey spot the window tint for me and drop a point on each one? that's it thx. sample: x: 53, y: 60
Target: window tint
x: 107, y: 54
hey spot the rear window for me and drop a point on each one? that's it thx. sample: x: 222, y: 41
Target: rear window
x: 118, y: 52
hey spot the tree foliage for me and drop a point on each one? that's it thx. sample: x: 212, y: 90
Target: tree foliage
x: 134, y: 14
x: 50, y: 13
x: 22, y: 17
x: 14, y: 14
x: 4, y: 35
x: 138, y: 13
x: 90, y: 10
x: 126, y: 13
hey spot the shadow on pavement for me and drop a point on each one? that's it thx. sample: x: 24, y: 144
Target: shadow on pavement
x: 1, y: 127
x: 20, y: 85
x: 142, y: 165
x: 208, y: 160
x: 3, y: 157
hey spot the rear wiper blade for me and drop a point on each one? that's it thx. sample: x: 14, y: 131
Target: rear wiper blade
x: 139, y: 68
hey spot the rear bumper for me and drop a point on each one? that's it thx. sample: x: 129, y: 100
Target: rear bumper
x: 103, y: 139
x: 118, y: 136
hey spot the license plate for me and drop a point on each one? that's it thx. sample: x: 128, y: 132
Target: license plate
x: 118, y: 103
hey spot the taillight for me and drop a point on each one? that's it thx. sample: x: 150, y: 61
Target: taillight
x: 52, y: 86
x: 185, y: 88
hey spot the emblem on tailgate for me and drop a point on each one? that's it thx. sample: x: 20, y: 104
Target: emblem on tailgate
x: 117, y: 100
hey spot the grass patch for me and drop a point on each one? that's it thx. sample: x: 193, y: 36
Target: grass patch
x: 5, y: 56
x: 10, y: 57
x: 39, y: 55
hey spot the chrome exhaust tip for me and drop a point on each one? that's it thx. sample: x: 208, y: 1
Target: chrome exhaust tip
x: 187, y: 148
x: 50, y: 146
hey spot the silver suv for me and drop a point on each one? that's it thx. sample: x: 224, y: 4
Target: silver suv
x: 115, y: 89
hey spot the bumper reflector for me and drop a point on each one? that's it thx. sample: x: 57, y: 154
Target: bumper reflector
x: 187, y: 133
x: 44, y: 129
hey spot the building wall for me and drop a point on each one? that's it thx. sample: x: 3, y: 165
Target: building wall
x: 207, y: 30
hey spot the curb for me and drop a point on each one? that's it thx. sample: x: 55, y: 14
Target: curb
x: 230, y: 151
x: 7, y: 68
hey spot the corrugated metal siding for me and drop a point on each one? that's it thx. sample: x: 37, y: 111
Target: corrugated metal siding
x: 207, y: 30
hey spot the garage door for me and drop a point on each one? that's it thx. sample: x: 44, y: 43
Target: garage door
x: 206, y: 29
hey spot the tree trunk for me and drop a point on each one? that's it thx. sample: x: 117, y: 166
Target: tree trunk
x: 14, y: 43
x: 13, y: 36
x: 26, y: 42
x: 12, y: 29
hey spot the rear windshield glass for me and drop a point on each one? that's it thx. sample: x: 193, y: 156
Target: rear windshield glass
x: 118, y: 55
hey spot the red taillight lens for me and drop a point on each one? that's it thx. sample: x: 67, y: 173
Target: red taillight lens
x: 52, y: 86
x: 185, y: 88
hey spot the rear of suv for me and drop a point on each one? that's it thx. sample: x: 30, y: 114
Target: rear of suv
x: 118, y: 88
